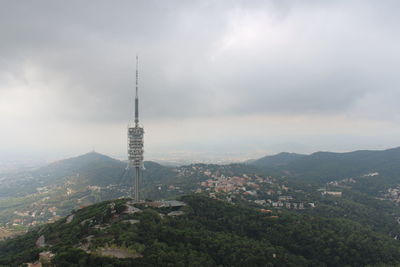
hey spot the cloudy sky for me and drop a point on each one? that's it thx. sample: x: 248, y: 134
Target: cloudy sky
x: 218, y: 79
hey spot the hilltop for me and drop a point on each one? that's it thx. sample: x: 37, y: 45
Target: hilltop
x: 204, y: 232
x: 89, y: 169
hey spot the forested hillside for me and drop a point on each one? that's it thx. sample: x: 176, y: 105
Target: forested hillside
x: 322, y: 167
x: 206, y: 232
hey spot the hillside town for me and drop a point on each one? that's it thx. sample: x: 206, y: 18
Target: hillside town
x: 227, y: 184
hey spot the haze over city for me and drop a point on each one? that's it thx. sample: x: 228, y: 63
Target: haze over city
x: 219, y: 80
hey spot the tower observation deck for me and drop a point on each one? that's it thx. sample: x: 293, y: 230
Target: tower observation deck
x: 135, y: 145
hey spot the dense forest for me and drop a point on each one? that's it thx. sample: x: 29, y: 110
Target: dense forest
x: 209, y: 233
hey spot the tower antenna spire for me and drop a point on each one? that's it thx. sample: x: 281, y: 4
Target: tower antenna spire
x: 137, y: 92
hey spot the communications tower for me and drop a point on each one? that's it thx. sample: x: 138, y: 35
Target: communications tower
x: 135, y: 144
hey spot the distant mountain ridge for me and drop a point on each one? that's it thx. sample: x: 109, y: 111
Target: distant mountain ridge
x: 323, y: 166
x: 280, y: 159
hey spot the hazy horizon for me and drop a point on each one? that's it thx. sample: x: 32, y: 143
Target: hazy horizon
x: 177, y: 158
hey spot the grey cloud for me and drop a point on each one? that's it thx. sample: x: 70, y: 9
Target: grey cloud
x: 333, y: 54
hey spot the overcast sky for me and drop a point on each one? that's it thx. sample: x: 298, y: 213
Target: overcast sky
x: 217, y: 78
